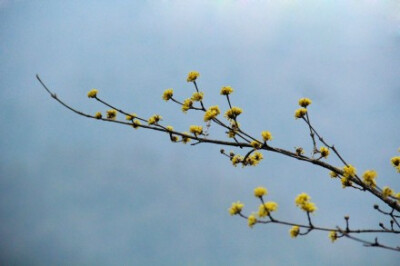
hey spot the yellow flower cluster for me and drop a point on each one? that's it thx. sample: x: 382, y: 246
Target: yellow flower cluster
x: 252, y: 220
x: 304, y: 102
x: 192, y: 76
x: 260, y: 191
x: 333, y: 236
x: 387, y: 191
x: 211, y: 113
x: 255, y: 144
x: 236, y: 208
x: 167, y: 95
x: 266, y: 135
x: 196, y: 130
x: 111, y: 114
x: 169, y: 128
x: 98, y: 115
x: 187, y: 104
x: 266, y: 208
x: 130, y: 117
x: 300, y: 113
x: 92, y: 93
x: 237, y: 159
x: 303, y: 202
x: 369, y: 178
x: 294, y: 231
x: 333, y: 174
x: 197, y: 96
x: 226, y: 90
x: 349, y: 171
x: 136, y: 124
x: 185, y: 139
x: 396, y: 162
x: 324, y: 152
x: 233, y: 112
x: 154, y: 119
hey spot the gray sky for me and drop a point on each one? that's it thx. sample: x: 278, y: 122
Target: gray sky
x: 77, y: 191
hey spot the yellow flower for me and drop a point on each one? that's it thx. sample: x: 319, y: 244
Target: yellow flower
x: 169, y: 128
x: 395, y: 161
x: 333, y: 174
x: 257, y: 156
x: 271, y: 206
x: 369, y: 178
x: 309, y: 207
x: 226, y: 90
x: 349, y: 170
x: 236, y: 208
x: 255, y: 144
x: 233, y: 112
x: 197, y: 96
x: 236, y: 159
x: 386, y: 192
x: 167, y: 95
x: 174, y: 138
x: 185, y: 139
x: 136, y: 124
x: 266, y: 135
x: 187, y: 104
x: 211, y: 113
x: 302, y: 198
x: 154, y: 119
x: 260, y: 191
x: 130, y: 116
x: 300, y: 113
x: 192, y: 76
x: 252, y: 220
x: 324, y: 152
x: 304, y: 102
x: 333, y: 236
x: 346, y: 182
x: 266, y: 208
x: 196, y: 130
x: 235, y: 125
x: 303, y: 202
x: 92, y: 93
x: 111, y: 114
x: 98, y: 115
x: 294, y: 231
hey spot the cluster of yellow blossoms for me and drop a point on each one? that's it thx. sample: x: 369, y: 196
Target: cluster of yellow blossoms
x: 233, y: 113
x: 253, y: 159
x: 236, y: 208
x: 192, y: 76
x: 92, y: 93
x: 369, y: 178
x: 226, y: 90
x: 167, y: 95
x: 349, y: 171
x: 211, y: 113
x: 187, y: 104
x: 303, y: 202
x: 197, y: 96
x: 196, y: 130
x: 396, y: 162
x: 154, y: 119
x: 112, y: 114
x: 303, y: 102
x: 324, y: 152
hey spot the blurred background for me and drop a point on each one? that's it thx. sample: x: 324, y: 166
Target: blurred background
x: 75, y: 191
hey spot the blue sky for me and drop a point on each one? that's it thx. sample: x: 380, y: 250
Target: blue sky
x: 83, y: 192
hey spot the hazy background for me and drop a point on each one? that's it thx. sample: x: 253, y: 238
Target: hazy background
x: 82, y: 192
